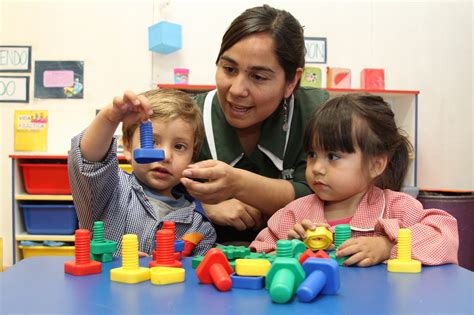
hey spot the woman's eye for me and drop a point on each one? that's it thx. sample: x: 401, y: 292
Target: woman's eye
x: 257, y: 77
x: 312, y: 155
x: 229, y: 70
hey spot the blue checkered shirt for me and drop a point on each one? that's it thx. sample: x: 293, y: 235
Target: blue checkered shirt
x: 104, y: 192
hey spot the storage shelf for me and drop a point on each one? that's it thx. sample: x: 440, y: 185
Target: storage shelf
x: 44, y: 197
x: 41, y: 237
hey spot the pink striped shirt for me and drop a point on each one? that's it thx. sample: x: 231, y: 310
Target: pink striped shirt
x: 434, y: 232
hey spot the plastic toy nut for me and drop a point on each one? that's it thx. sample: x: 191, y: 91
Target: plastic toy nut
x: 319, y: 238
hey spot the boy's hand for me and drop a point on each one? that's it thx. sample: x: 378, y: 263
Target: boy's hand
x: 365, y: 251
x: 299, y: 229
x: 130, y: 108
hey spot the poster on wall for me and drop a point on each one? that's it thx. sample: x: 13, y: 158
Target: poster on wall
x: 31, y: 130
x: 59, y: 79
x: 316, y: 50
x: 14, y: 89
x: 15, y: 58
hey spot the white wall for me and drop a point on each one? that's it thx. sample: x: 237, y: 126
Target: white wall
x: 425, y: 46
x: 422, y: 46
x: 111, y: 37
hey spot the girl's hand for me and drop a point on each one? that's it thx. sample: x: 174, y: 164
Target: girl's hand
x: 365, y: 251
x: 221, y: 184
x: 299, y: 229
x: 130, y: 108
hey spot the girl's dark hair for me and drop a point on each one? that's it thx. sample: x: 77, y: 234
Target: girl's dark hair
x: 286, y: 31
x: 364, y: 121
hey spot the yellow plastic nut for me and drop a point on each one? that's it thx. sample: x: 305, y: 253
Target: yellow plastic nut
x: 166, y: 275
x: 252, y: 267
x: 319, y: 238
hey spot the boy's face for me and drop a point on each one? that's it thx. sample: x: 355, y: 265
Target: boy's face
x: 176, y: 138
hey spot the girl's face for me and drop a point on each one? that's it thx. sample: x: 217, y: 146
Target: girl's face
x: 337, y: 176
x: 176, y: 138
x: 250, y: 81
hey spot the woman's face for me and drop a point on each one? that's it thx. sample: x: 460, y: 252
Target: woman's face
x: 250, y: 81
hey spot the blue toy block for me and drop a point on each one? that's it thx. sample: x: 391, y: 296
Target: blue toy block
x: 178, y: 246
x: 164, y: 37
x: 322, y: 275
x: 244, y: 282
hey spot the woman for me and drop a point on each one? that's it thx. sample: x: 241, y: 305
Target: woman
x: 254, y: 125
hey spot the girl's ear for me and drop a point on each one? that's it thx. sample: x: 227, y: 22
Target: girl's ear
x: 290, y: 86
x: 378, y: 165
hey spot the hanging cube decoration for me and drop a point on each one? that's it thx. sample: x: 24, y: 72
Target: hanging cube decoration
x: 164, y: 37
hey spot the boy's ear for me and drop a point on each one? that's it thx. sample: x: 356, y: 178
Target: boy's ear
x: 127, y: 151
x: 378, y: 165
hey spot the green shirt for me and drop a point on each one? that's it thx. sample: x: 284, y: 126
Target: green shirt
x: 279, y: 153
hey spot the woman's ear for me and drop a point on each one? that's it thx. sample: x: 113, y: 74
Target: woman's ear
x: 378, y: 165
x: 290, y: 86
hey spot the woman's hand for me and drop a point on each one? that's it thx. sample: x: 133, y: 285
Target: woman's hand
x: 365, y: 251
x: 235, y: 213
x: 222, y: 181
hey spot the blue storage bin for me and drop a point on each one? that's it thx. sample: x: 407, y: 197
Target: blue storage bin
x: 56, y: 219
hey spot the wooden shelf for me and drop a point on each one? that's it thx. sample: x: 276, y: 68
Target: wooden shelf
x: 43, y: 197
x: 40, y: 237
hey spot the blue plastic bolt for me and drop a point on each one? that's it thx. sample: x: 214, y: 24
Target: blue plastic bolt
x: 147, y: 153
x: 322, y: 275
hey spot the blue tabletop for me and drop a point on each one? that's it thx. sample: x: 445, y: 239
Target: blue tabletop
x: 39, y: 285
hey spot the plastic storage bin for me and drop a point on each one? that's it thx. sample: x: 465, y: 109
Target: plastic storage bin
x: 46, y: 179
x: 30, y: 251
x: 55, y: 219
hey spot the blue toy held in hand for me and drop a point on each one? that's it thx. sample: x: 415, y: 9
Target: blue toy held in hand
x: 147, y: 153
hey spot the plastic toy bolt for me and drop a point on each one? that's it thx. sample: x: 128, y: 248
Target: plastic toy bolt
x: 82, y: 265
x: 147, y: 153
x: 285, y: 275
x: 341, y: 234
x: 191, y: 240
x: 404, y: 262
x: 130, y: 272
x: 215, y: 269
x: 319, y: 238
x: 165, y: 250
x: 322, y: 275
x: 101, y: 249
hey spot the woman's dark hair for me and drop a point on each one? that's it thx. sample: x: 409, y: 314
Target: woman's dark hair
x: 364, y: 121
x: 286, y: 31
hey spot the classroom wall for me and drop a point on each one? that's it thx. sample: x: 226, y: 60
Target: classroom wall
x: 422, y: 46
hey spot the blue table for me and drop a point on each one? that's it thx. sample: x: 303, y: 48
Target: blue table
x: 39, y: 285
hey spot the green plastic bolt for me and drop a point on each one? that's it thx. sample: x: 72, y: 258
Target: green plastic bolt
x: 101, y: 249
x: 342, y: 233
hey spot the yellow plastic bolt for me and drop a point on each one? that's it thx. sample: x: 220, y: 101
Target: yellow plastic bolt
x: 403, y: 262
x: 130, y: 272
x: 319, y: 238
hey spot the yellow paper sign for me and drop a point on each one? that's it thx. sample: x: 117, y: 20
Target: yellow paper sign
x: 31, y: 130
